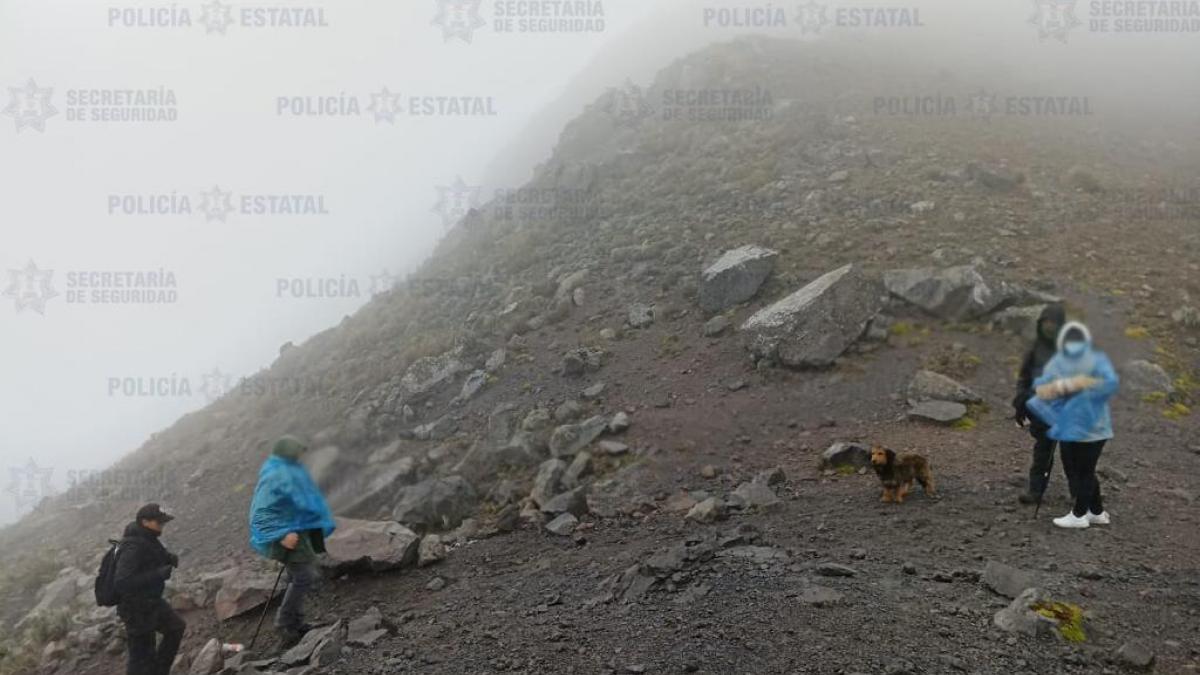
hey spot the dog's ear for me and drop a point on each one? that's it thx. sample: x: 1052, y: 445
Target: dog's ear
x: 890, y: 455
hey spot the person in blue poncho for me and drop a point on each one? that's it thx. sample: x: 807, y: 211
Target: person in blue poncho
x: 1073, y: 395
x: 289, y: 521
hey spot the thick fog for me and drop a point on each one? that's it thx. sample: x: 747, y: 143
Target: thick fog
x: 188, y: 186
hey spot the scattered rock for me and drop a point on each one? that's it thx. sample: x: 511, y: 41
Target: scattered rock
x: 579, y: 469
x: 753, y: 495
x: 1006, y: 580
x: 319, y: 647
x: 819, y: 596
x: 548, y: 481
x: 208, y: 660
x: 430, y: 551
x: 640, y: 316
x: 593, y: 392
x: 829, y: 569
x: 1019, y: 617
x: 619, y: 424
x: 735, y: 278
x: 365, y: 631
x: 572, y: 501
x: 942, y: 412
x: 1136, y: 655
x: 563, y: 525
x: 569, y: 439
x: 927, y: 385
x: 1020, y: 321
x: 612, y: 448
x: 708, y: 511
x: 837, y: 455
x: 583, y: 360
x: 435, y: 584
x: 815, y: 325
x: 716, y: 325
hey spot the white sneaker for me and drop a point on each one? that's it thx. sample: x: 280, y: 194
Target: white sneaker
x: 1073, y: 522
x: 1101, y: 519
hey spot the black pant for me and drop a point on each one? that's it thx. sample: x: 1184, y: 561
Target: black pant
x: 1079, y: 462
x: 143, y: 622
x: 1043, y: 457
x: 302, y: 578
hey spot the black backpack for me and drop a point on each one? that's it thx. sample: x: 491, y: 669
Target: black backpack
x: 106, y: 578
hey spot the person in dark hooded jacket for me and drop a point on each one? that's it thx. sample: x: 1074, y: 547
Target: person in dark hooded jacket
x: 1043, y: 349
x: 143, y: 567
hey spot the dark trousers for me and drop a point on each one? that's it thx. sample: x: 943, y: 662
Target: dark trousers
x: 1043, y: 457
x: 148, y: 655
x: 1079, y: 462
x: 302, y: 578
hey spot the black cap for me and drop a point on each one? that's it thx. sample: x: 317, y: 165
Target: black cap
x: 154, y: 512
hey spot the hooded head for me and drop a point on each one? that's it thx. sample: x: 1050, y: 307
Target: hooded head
x: 1074, y: 340
x: 1050, y: 323
x: 289, y: 447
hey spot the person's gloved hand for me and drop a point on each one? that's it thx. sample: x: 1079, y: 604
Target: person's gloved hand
x: 165, y: 572
x: 172, y: 559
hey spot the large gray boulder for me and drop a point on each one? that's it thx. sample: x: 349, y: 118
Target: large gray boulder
x: 242, y: 591
x: 815, y: 325
x: 435, y: 503
x: 1143, y: 377
x: 371, y: 495
x: 735, y: 277
x: 369, y: 545
x: 952, y: 293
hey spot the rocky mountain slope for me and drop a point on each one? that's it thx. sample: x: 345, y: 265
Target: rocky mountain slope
x: 618, y: 416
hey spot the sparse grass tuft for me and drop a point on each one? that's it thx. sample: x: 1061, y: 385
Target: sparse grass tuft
x: 1137, y: 332
x: 1068, y: 616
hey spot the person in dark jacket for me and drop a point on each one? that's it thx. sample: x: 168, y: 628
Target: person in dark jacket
x: 1044, y: 348
x: 143, y: 567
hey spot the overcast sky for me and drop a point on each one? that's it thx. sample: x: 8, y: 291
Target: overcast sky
x: 321, y: 112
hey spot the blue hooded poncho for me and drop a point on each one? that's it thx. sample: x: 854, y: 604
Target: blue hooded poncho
x: 1084, y: 416
x: 286, y: 500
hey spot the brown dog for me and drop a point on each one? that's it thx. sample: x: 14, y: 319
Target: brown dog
x: 898, y: 473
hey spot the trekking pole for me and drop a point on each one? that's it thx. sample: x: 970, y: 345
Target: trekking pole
x: 267, y: 606
x: 1045, y: 484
